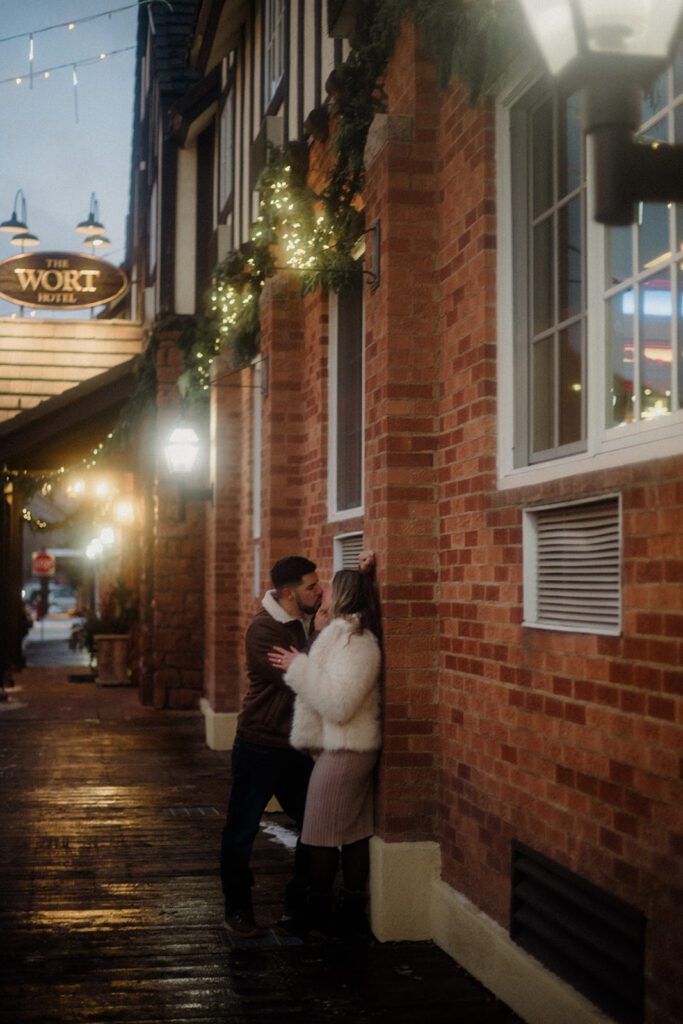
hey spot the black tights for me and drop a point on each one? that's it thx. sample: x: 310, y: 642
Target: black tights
x: 355, y: 864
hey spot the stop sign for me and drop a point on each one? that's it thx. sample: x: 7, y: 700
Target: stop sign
x: 43, y: 563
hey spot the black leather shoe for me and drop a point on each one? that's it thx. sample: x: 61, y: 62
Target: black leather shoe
x: 242, y: 924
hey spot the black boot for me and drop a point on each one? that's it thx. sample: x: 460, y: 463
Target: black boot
x: 320, y: 922
x: 351, y: 916
x: 294, y: 920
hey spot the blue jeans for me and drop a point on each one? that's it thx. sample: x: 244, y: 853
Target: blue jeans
x: 260, y: 772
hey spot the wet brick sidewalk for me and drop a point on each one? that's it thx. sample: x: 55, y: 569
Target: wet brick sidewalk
x: 110, y: 906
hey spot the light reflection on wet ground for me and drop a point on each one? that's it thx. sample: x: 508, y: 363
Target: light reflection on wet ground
x: 110, y: 904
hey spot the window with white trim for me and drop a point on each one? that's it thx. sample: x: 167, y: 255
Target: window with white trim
x: 572, y: 566
x: 346, y: 401
x: 153, y: 230
x: 256, y: 475
x: 273, y: 48
x: 643, y: 314
x: 550, y: 344
x: 226, y: 153
x: 591, y: 319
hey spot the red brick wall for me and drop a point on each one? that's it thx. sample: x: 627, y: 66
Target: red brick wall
x: 571, y: 743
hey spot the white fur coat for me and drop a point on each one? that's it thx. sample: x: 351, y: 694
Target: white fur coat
x: 337, y: 688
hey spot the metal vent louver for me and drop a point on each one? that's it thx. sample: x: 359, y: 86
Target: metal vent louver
x: 584, y: 934
x: 347, y: 551
x: 578, y: 569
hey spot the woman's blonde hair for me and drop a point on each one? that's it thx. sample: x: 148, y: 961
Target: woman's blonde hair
x: 355, y: 593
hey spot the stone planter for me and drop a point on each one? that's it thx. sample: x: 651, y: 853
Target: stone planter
x: 112, y: 658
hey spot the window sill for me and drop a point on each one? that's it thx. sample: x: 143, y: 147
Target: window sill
x: 347, y: 513
x: 645, y: 442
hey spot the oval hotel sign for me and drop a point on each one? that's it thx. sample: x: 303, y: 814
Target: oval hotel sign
x: 60, y: 280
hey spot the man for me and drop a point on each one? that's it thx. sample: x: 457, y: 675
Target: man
x: 263, y: 763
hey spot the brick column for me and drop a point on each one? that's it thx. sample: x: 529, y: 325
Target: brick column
x: 401, y: 521
x: 176, y: 643
x: 285, y: 421
x: 402, y: 425
x: 224, y: 567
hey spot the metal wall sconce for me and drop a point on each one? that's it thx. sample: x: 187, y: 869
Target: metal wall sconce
x: 359, y: 249
x: 17, y: 224
x: 181, y: 453
x: 612, y: 49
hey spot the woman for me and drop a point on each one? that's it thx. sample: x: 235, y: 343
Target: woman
x: 337, y: 718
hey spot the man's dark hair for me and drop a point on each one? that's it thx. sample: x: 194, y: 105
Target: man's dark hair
x: 288, y: 572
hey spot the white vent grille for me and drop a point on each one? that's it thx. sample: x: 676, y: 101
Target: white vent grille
x: 573, y: 567
x: 346, y: 550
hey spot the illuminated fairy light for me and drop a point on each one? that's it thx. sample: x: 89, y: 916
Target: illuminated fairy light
x: 29, y: 517
x: 85, y: 62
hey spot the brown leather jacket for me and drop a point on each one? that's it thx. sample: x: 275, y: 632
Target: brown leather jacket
x: 266, y: 715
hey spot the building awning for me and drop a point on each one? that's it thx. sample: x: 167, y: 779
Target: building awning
x: 64, y: 429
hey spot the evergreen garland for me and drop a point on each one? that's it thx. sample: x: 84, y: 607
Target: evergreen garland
x: 298, y: 229
x: 468, y: 38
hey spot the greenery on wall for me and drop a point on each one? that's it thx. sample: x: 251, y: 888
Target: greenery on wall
x: 314, y: 234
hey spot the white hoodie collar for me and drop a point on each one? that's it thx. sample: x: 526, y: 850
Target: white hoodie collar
x: 275, y: 609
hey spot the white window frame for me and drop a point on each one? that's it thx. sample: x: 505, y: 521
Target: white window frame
x: 334, y: 513
x: 605, y: 447
x: 256, y: 446
x: 256, y: 474
x: 273, y: 48
x: 226, y: 148
x: 153, y: 229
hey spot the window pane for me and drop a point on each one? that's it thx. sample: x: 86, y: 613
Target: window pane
x: 678, y: 73
x: 655, y: 347
x: 542, y: 157
x: 620, y: 354
x: 570, y: 269
x: 349, y: 397
x: 653, y: 234
x: 618, y: 259
x: 679, y: 319
x: 678, y: 123
x: 654, y: 98
x: 226, y: 151
x: 571, y: 139
x: 544, y: 395
x: 542, y: 283
x: 571, y: 384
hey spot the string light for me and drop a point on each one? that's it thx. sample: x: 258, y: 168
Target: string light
x: 85, y: 62
x: 71, y: 25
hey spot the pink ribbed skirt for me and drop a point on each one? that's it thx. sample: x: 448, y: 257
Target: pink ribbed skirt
x: 339, y: 804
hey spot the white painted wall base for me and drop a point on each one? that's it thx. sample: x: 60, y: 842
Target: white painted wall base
x: 409, y: 901
x: 219, y: 726
x: 401, y: 877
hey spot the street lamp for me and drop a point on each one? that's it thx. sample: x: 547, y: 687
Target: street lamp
x: 93, y: 227
x: 92, y: 224
x: 17, y: 224
x: 611, y: 49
